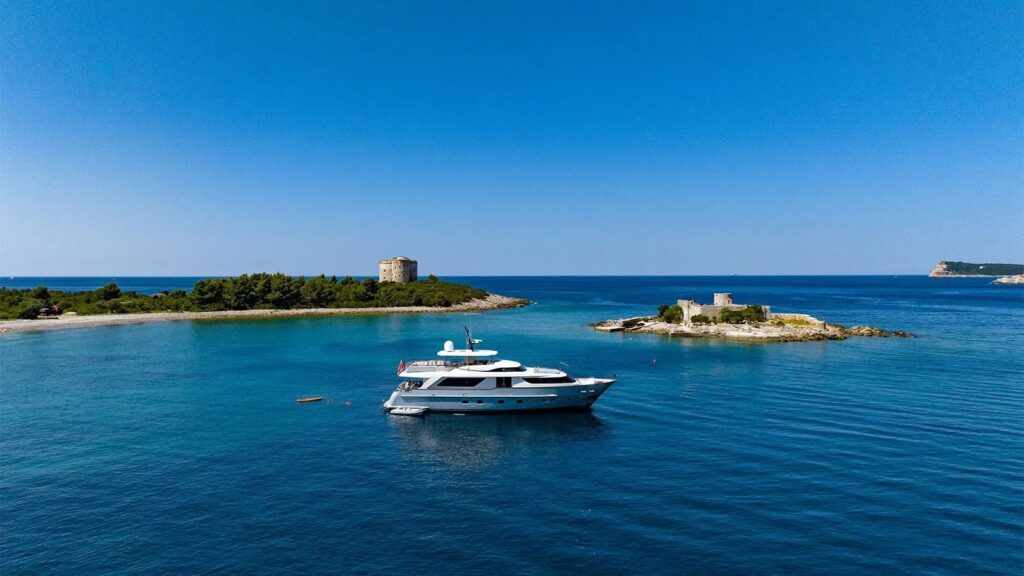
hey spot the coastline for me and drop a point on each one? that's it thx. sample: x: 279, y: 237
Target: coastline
x: 491, y: 302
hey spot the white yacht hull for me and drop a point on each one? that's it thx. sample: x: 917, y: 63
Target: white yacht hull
x: 579, y: 395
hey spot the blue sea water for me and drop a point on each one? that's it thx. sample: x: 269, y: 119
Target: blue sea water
x: 178, y: 447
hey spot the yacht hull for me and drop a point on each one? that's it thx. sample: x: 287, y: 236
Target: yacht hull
x: 580, y: 395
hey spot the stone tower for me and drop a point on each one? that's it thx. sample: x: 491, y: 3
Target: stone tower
x: 723, y: 299
x: 397, y: 269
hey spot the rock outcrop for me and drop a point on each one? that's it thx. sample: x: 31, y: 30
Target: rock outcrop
x: 941, y: 269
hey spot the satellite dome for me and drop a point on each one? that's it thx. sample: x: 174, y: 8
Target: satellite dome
x: 449, y: 346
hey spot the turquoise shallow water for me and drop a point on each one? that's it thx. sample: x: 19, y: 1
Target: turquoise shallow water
x: 178, y: 447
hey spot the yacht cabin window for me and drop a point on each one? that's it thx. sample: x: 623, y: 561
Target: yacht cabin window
x: 555, y: 380
x: 460, y: 382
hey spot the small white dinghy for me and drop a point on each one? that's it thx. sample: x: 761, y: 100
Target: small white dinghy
x: 408, y: 410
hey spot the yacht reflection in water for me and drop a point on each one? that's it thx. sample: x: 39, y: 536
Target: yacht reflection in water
x: 474, y: 442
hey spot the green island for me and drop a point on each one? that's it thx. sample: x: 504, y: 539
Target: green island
x: 259, y: 291
x: 948, y: 268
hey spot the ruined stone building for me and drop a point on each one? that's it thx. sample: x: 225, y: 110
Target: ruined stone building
x: 723, y: 301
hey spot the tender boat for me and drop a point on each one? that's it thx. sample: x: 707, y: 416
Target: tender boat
x: 471, y: 380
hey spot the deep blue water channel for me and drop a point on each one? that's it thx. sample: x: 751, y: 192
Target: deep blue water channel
x: 178, y: 447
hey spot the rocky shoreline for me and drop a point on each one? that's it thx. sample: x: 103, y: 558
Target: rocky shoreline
x: 760, y: 332
x: 491, y: 302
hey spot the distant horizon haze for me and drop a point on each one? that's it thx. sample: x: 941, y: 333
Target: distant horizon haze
x: 510, y: 139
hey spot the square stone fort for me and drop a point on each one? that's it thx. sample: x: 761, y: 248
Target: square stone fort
x: 397, y: 269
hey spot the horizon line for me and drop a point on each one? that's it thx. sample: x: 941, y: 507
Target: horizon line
x: 482, y: 275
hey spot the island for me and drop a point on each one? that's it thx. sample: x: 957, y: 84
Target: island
x: 724, y: 319
x: 947, y: 269
x: 247, y: 296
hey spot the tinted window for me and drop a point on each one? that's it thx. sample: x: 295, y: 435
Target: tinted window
x: 460, y: 382
x: 556, y: 380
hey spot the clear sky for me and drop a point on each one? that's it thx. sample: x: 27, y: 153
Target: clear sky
x: 169, y: 138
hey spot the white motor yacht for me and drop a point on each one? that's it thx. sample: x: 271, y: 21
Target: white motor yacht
x: 471, y: 380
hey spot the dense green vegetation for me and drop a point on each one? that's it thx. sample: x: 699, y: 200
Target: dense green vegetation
x: 245, y: 292
x: 968, y: 268
x: 749, y: 315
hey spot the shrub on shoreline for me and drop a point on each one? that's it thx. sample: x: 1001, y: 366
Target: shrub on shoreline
x: 672, y: 314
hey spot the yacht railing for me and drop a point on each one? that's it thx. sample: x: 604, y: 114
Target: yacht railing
x: 546, y: 371
x: 429, y: 365
x: 436, y: 365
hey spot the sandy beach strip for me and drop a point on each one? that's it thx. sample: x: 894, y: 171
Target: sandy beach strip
x: 491, y: 302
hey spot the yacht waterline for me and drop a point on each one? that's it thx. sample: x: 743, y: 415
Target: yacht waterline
x: 476, y: 382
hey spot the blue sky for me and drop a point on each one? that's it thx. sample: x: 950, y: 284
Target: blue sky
x: 144, y: 138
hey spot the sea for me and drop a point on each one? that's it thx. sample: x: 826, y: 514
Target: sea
x: 179, y: 448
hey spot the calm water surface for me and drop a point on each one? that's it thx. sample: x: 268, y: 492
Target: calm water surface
x: 179, y: 448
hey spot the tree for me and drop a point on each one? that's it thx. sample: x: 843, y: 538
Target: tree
x: 672, y: 314
x: 318, y: 292
x: 208, y: 294
x: 285, y: 291
x: 41, y: 293
x: 109, y: 292
x: 241, y: 293
x: 30, y: 310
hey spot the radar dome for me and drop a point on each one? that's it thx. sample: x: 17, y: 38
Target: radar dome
x: 449, y: 346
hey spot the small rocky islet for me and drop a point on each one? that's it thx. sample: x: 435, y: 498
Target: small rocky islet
x: 727, y: 320
x: 1015, y: 279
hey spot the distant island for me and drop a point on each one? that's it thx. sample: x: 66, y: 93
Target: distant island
x: 245, y: 296
x: 947, y: 269
x: 724, y: 319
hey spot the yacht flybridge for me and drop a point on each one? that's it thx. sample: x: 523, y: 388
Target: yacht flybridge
x: 471, y: 380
